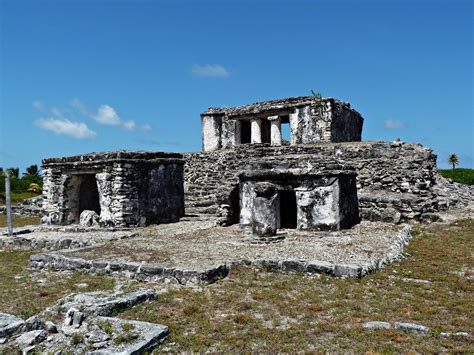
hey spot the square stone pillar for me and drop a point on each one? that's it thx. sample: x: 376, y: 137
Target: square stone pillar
x: 238, y: 133
x: 256, y: 126
x: 275, y: 130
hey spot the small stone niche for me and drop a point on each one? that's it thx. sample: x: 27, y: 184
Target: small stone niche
x: 123, y: 188
x: 309, y: 195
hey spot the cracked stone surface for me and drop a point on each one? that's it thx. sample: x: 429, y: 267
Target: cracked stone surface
x: 202, y: 252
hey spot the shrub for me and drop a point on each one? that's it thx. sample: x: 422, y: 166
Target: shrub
x: 463, y: 176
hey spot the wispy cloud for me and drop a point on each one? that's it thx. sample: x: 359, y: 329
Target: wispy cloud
x: 146, y: 127
x: 105, y: 115
x: 210, y: 71
x: 394, y: 124
x: 63, y: 126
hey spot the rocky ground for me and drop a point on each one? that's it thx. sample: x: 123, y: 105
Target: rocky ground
x: 420, y: 304
x: 198, y: 251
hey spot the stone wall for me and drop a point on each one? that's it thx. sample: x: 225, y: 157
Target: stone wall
x: 134, y: 188
x: 395, y: 181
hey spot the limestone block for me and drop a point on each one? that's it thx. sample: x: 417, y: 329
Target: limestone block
x: 265, y: 210
x: 89, y: 218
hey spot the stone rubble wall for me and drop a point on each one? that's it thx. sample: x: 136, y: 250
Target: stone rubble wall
x: 396, y: 181
x: 132, y: 192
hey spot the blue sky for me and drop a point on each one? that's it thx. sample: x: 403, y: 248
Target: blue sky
x: 83, y: 76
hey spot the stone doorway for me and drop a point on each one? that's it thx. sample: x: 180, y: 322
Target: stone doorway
x: 245, y: 132
x: 288, y: 209
x: 89, y: 194
x: 81, y: 194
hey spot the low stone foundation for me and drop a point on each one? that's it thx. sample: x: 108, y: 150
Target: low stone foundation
x: 194, y: 253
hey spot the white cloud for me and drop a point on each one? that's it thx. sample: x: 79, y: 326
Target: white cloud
x: 78, y: 130
x: 130, y: 125
x: 146, y: 127
x: 210, y: 71
x: 106, y: 115
x: 78, y: 105
x: 38, y: 105
x: 393, y: 124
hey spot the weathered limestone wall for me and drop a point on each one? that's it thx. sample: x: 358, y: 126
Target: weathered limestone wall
x: 133, y: 188
x: 395, y: 181
x: 325, y: 196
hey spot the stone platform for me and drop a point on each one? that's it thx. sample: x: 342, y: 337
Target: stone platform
x: 195, y: 252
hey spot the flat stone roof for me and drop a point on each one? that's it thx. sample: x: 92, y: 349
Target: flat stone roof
x: 118, y: 155
x: 271, y: 106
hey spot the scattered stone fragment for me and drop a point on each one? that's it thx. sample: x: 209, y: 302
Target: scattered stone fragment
x: 9, y: 325
x: 454, y: 335
x: 377, y: 325
x: 412, y: 328
x: 50, y: 327
x: 89, y: 218
x: 31, y: 338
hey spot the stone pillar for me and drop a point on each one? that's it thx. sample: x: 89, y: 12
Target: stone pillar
x: 265, y: 210
x: 256, y: 126
x: 275, y: 130
x: 238, y: 132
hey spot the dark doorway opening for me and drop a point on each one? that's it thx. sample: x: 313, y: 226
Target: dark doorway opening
x: 245, y: 132
x: 266, y: 131
x: 288, y: 211
x: 89, y: 194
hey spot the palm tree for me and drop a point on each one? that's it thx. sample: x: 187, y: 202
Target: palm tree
x: 453, y: 160
x: 32, y: 170
x: 14, y: 172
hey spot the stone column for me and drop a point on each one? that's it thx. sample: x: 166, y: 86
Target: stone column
x: 275, y: 130
x: 256, y: 125
x: 238, y: 132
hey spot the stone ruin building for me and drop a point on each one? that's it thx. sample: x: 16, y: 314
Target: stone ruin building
x: 319, y: 195
x: 310, y: 120
x: 244, y: 159
x: 122, y: 188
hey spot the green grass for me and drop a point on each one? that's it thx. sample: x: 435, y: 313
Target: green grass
x: 254, y: 310
x: 463, y: 176
x: 20, y: 221
x: 17, y: 197
x: 25, y: 292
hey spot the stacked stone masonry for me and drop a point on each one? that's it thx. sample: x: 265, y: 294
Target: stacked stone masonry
x: 395, y: 181
x: 123, y: 188
x: 306, y: 195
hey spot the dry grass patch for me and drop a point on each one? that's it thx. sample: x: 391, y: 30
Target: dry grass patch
x: 20, y: 221
x: 25, y: 292
x: 255, y: 310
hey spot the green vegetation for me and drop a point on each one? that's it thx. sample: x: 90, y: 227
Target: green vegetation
x: 463, y: 176
x: 29, y: 185
x: 453, y: 160
x: 25, y: 292
x: 265, y: 311
x: 76, y: 338
x: 20, y: 221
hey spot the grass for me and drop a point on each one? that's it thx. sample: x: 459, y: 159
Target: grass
x: 17, y: 197
x: 257, y: 310
x: 263, y: 310
x: 25, y: 292
x: 463, y: 176
x: 20, y: 221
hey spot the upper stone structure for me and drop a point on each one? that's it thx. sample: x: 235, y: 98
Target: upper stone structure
x: 311, y: 119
